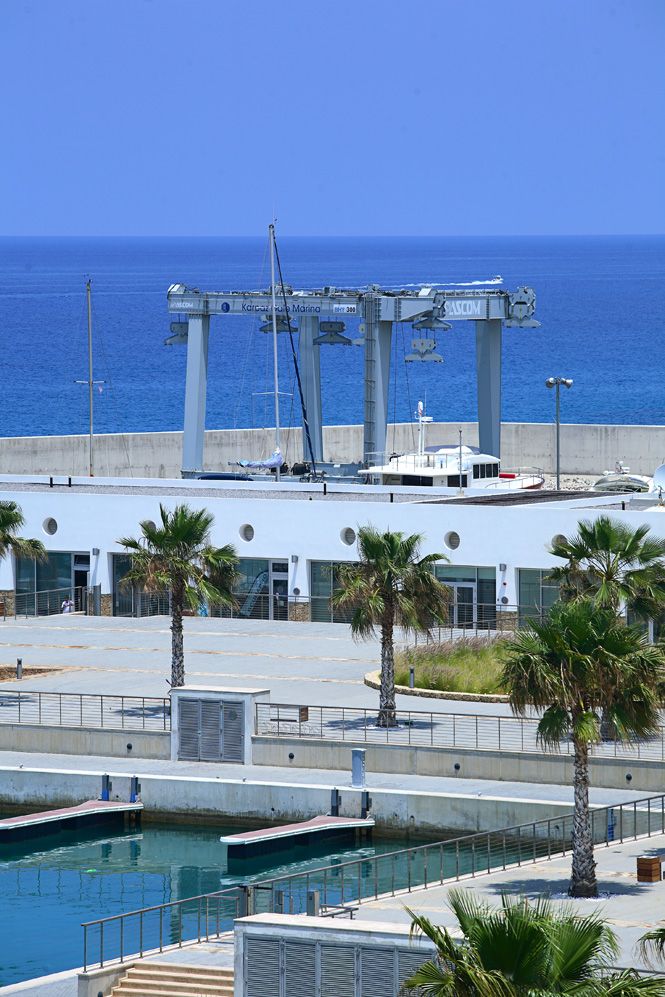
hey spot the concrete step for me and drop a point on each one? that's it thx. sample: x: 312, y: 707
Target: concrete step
x: 136, y: 989
x: 150, y: 979
x: 201, y: 979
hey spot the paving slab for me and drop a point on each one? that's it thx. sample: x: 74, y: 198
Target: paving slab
x: 309, y: 663
x: 630, y: 907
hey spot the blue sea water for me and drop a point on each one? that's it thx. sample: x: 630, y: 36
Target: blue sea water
x: 601, y: 302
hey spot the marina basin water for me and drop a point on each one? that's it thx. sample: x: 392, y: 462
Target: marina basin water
x: 47, y: 892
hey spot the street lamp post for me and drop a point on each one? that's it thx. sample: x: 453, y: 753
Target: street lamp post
x: 556, y: 382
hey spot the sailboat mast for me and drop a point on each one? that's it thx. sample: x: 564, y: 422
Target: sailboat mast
x: 271, y: 234
x: 90, y: 381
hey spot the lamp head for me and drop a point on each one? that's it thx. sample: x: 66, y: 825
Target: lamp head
x: 550, y: 382
x: 568, y: 381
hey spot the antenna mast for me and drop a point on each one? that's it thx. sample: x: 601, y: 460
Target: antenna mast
x: 271, y: 235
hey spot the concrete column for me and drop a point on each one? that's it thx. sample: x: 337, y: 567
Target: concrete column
x: 310, y: 374
x: 378, y: 341
x: 488, y: 379
x: 196, y: 384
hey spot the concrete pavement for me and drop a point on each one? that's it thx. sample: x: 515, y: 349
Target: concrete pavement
x: 315, y: 663
x: 631, y: 908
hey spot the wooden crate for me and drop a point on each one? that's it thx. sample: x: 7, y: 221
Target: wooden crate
x: 649, y: 868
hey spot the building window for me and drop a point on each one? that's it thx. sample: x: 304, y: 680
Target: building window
x: 536, y: 593
x: 42, y: 586
x: 323, y: 580
x: 473, y: 594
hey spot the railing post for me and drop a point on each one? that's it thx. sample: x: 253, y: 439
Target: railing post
x: 122, y: 937
x: 85, y: 947
x: 161, y: 929
x: 101, y: 945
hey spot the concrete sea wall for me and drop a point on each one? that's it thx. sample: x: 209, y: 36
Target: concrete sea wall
x: 584, y: 449
x: 646, y: 775
x: 219, y: 799
x: 85, y: 741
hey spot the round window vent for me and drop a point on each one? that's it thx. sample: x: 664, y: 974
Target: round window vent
x: 247, y: 532
x: 348, y: 536
x: 558, y: 538
x: 50, y: 526
x: 452, y: 540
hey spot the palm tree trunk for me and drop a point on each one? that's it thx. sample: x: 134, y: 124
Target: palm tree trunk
x: 583, y: 874
x: 177, y: 646
x: 387, y: 713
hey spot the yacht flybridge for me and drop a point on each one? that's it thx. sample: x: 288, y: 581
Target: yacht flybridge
x: 450, y: 466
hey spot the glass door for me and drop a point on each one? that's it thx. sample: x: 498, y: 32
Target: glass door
x: 279, y: 590
x: 464, y: 604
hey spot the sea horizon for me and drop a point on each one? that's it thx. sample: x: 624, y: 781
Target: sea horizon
x: 600, y: 300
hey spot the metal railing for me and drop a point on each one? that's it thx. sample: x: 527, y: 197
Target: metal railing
x: 70, y: 709
x: 48, y: 602
x: 491, y: 732
x: 154, y: 929
x: 344, y: 885
x: 480, y: 618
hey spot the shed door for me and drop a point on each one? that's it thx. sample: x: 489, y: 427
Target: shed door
x: 377, y: 972
x: 189, y: 713
x: 299, y: 969
x: 262, y: 967
x: 233, y: 740
x: 199, y: 730
x: 211, y: 731
x: 338, y: 971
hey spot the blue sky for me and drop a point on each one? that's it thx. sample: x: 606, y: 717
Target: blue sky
x: 370, y: 117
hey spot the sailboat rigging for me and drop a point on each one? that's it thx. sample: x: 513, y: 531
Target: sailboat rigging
x: 275, y: 461
x: 90, y: 381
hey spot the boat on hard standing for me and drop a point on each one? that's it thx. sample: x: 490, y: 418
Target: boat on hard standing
x: 450, y: 466
x: 621, y: 481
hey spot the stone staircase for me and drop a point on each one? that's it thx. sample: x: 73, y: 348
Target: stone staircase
x: 163, y: 979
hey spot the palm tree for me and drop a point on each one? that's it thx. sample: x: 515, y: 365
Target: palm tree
x: 580, y: 661
x: 11, y: 520
x: 614, y: 564
x: 178, y: 557
x: 391, y: 586
x: 524, y: 949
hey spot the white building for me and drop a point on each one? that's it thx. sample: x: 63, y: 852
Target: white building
x: 289, y: 536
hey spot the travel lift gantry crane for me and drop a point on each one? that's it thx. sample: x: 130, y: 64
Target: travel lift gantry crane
x: 428, y: 309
